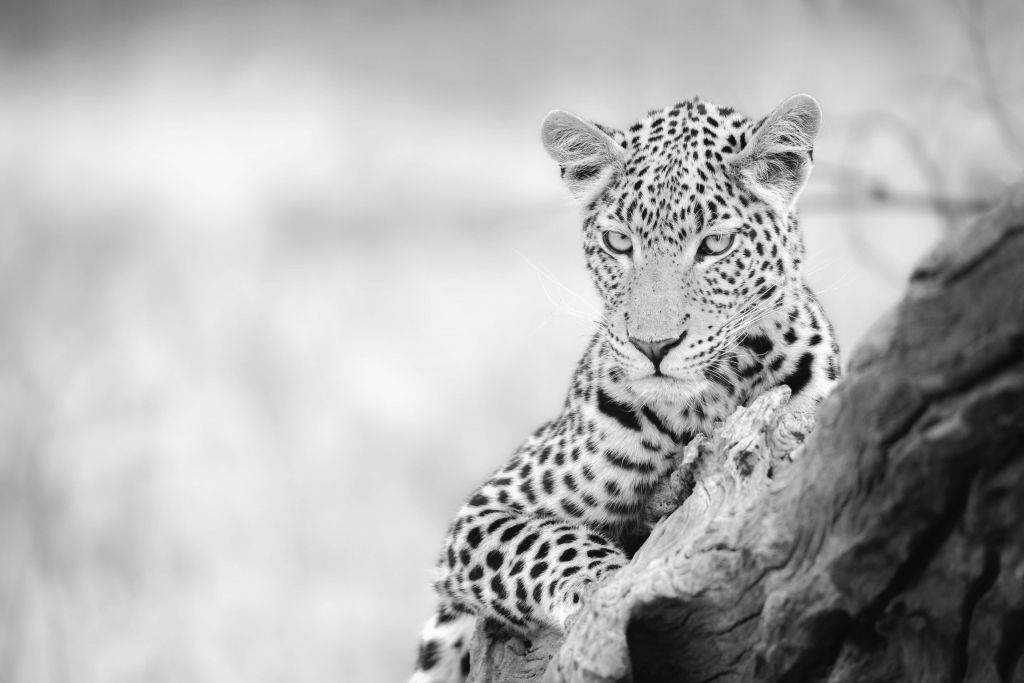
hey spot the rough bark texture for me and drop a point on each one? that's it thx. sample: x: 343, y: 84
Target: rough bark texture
x: 890, y: 549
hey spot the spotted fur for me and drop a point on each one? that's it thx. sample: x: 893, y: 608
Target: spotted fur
x: 691, y: 236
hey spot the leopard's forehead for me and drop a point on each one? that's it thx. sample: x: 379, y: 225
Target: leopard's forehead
x: 676, y: 180
x: 688, y: 128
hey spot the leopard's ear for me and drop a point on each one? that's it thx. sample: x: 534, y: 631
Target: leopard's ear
x: 588, y: 156
x: 777, y: 161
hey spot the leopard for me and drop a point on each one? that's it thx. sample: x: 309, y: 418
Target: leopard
x: 691, y: 237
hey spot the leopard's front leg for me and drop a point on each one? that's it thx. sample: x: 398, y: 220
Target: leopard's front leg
x: 525, y: 572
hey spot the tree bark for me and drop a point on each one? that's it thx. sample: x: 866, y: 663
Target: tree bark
x: 888, y: 547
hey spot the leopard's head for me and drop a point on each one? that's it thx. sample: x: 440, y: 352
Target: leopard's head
x: 689, y: 229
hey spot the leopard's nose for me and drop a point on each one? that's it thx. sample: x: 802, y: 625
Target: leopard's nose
x: 657, y: 350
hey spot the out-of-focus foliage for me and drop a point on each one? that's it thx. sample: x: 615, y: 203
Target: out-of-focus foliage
x: 280, y: 282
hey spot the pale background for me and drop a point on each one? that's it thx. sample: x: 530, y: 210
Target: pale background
x: 280, y: 282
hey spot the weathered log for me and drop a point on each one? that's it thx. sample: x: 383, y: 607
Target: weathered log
x: 891, y: 549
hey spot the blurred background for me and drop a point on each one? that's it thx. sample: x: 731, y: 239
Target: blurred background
x: 280, y: 282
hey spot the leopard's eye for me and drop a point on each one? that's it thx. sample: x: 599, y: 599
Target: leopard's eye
x: 616, y: 242
x: 713, y: 245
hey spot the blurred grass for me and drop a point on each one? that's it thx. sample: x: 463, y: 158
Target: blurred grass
x: 280, y: 283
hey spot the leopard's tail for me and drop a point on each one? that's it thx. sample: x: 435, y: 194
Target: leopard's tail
x: 444, y: 648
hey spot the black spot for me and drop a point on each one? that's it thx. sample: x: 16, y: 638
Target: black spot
x: 620, y: 412
x: 498, y: 587
x: 464, y: 664
x: 747, y: 373
x: 505, y: 614
x: 429, y: 655
x: 464, y: 556
x: 494, y: 559
x: 516, y: 568
x: 768, y: 292
x: 538, y: 569
x: 543, y: 550
x: 496, y: 524
x: 569, y: 554
x: 565, y: 538
x: 527, y: 488
x: 572, y: 509
x: 548, y: 482
x: 476, y: 572
x: 814, y: 340
x: 479, y: 500
x: 474, y: 537
x: 598, y: 552
x: 790, y: 336
x: 799, y: 378
x: 526, y: 543
x: 511, y: 532
x: 832, y: 370
x: 624, y: 462
x: 656, y: 422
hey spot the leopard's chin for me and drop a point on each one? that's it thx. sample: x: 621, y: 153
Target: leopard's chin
x: 663, y: 388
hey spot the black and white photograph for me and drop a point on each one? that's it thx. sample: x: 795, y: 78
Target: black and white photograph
x: 439, y: 341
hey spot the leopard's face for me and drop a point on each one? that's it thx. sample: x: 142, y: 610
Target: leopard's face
x: 685, y: 244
